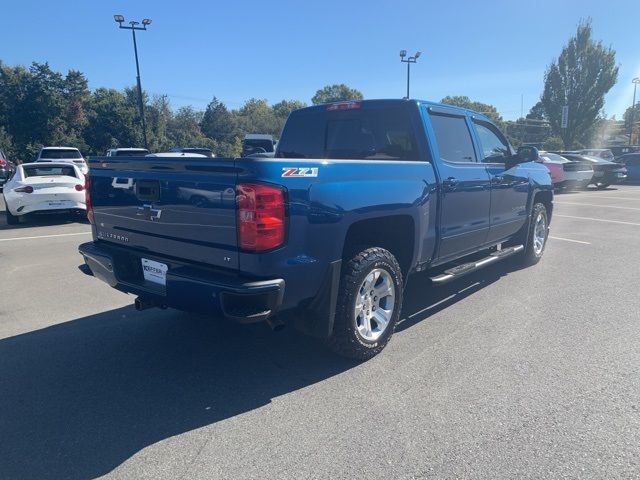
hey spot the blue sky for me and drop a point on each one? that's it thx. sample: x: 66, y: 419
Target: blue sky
x: 492, y: 51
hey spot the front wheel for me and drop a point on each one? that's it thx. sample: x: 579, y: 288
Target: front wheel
x: 369, y: 303
x: 602, y: 186
x: 537, y: 235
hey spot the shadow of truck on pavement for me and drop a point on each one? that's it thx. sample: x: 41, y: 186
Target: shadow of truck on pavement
x: 79, y: 398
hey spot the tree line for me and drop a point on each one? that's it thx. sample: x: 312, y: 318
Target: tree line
x: 39, y: 106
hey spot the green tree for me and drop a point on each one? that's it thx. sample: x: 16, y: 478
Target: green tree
x: 553, y: 143
x: 217, y: 122
x: 336, y: 93
x: 183, y: 130
x: 282, y: 109
x: 112, y: 122
x: 256, y: 116
x: 584, y: 72
x: 465, y: 102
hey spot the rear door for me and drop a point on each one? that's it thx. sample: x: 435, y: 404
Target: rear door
x: 178, y: 207
x: 509, y: 187
x: 465, y: 190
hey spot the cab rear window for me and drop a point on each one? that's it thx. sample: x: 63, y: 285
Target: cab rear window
x: 49, y: 170
x: 59, y: 154
x: 382, y: 133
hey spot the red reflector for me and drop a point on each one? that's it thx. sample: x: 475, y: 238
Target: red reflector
x: 79, y: 187
x: 343, y: 106
x: 87, y: 198
x: 27, y: 189
x: 261, y: 216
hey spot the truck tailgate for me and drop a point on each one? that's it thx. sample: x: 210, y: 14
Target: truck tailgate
x: 179, y: 207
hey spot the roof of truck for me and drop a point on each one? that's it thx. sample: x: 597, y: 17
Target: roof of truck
x: 435, y: 105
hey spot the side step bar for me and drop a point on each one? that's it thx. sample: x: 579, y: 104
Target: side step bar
x: 460, y: 270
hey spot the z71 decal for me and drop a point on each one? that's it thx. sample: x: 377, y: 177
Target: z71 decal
x: 299, y: 172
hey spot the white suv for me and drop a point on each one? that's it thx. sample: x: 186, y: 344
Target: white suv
x: 63, y: 154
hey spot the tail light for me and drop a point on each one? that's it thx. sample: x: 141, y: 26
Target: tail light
x: 27, y: 189
x: 261, y: 216
x: 3, y: 162
x: 351, y: 105
x: 87, y: 198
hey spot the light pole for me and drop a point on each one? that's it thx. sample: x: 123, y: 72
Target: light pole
x: 408, y: 61
x: 635, y: 82
x: 133, y: 27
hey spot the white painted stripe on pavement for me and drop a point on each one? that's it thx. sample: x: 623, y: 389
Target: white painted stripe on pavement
x: 569, y: 240
x: 595, y: 195
x: 595, y: 205
x: 597, y: 219
x: 44, y: 236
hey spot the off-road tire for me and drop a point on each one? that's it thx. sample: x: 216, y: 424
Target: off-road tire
x: 346, y: 339
x: 530, y: 256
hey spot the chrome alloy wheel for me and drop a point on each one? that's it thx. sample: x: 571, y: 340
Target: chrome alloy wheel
x: 539, y: 234
x: 375, y: 302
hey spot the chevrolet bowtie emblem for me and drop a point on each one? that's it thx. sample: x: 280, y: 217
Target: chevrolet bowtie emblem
x: 149, y: 213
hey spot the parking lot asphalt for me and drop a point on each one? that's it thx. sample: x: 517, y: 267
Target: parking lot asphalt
x: 507, y: 373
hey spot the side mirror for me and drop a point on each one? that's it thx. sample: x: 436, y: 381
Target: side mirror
x: 527, y: 154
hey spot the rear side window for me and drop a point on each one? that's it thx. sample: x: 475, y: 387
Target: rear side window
x: 372, y: 133
x: 49, y: 170
x: 453, y: 138
x: 632, y: 160
x: 58, y: 154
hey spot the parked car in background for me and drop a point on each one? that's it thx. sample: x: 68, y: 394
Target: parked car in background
x: 604, y: 153
x: 632, y: 164
x: 6, y: 168
x: 63, y: 154
x: 619, y: 150
x: 360, y: 195
x: 127, y: 152
x: 258, y: 143
x: 207, y: 152
x: 44, y: 187
x: 605, y: 173
x: 566, y: 174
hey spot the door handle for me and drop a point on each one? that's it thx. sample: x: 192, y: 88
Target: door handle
x: 450, y: 183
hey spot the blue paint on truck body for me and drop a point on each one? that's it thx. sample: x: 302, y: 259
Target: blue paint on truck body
x: 446, y: 207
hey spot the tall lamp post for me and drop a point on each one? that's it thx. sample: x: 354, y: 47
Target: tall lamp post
x: 635, y: 82
x: 133, y: 26
x: 408, y: 61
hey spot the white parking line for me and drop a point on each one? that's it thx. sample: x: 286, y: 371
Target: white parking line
x: 569, y: 240
x: 597, y: 219
x: 43, y: 236
x: 595, y: 205
x: 595, y: 195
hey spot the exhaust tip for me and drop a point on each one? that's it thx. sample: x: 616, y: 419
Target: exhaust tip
x: 275, y: 324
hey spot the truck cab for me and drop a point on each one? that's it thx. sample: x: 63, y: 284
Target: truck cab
x: 358, y: 197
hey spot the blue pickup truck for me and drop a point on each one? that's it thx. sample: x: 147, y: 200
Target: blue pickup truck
x: 324, y: 236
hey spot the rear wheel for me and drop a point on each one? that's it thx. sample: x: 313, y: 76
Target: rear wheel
x: 369, y: 303
x: 537, y: 234
x: 602, y: 186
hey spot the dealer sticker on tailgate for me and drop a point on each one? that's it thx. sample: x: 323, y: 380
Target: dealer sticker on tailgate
x: 155, y: 272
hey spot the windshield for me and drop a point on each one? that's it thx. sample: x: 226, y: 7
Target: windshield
x: 49, y: 170
x: 60, y: 154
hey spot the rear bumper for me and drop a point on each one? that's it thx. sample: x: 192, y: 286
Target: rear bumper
x: 188, y: 287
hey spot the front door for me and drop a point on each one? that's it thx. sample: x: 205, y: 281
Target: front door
x: 465, y: 188
x: 509, y: 187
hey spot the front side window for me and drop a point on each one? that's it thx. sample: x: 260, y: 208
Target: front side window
x: 494, y: 148
x: 453, y: 138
